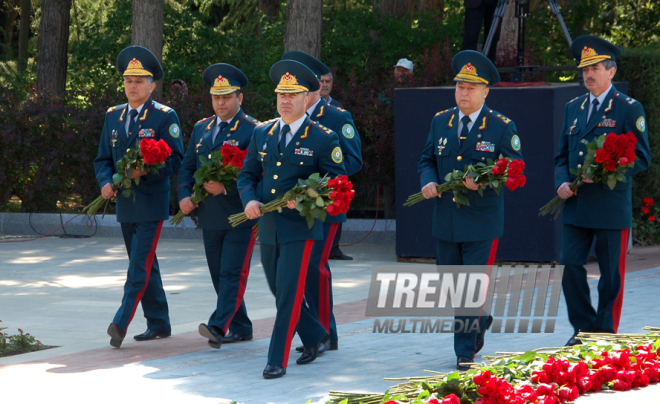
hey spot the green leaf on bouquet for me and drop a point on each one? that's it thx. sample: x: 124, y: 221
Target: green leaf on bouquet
x: 611, y: 181
x: 489, y: 162
x: 453, y: 375
x: 137, y: 180
x: 316, y: 213
x: 279, y: 210
x: 526, y: 357
x: 494, y: 183
x: 319, y: 202
x: 117, y: 178
x: 462, y: 199
x: 322, y: 215
x: 310, y: 221
x: 126, y: 193
x: 481, y: 191
x: 448, y: 177
x: 126, y: 183
x: 311, y: 192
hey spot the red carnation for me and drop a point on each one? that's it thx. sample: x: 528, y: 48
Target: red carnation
x: 226, y: 150
x: 516, y: 168
x: 651, y: 218
x: 498, y: 170
x: 647, y: 201
x: 450, y: 399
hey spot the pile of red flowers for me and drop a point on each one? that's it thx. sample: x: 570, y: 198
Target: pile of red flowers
x: 154, y: 152
x: 342, y: 193
x: 617, y: 150
x: 232, y: 155
x: 646, y: 204
x: 513, y: 170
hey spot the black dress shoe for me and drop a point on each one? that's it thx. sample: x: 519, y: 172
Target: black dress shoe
x: 481, y: 336
x: 213, y: 334
x: 116, y: 336
x: 574, y: 341
x: 300, y: 348
x: 232, y: 337
x: 334, y: 345
x: 463, y: 362
x: 341, y: 256
x: 273, y: 372
x: 308, y: 355
x: 324, y: 344
x: 149, y: 335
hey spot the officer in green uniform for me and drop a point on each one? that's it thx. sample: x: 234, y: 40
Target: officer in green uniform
x: 468, y: 134
x: 141, y: 216
x: 282, y: 151
x: 228, y: 249
x: 318, y: 289
x: 596, y: 210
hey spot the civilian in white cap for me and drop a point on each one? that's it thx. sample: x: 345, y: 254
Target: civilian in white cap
x: 403, y: 70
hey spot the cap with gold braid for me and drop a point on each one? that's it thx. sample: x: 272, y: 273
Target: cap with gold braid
x: 590, y: 50
x: 139, y: 61
x: 316, y: 66
x: 224, y: 79
x: 293, y: 77
x: 473, y: 67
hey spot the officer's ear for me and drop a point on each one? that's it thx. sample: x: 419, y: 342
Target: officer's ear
x: 152, y: 87
x: 486, y: 90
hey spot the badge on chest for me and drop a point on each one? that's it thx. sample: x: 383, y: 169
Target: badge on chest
x: 303, y: 151
x: 231, y: 142
x: 485, y: 147
x: 146, y: 133
x: 607, y: 123
x: 442, y: 143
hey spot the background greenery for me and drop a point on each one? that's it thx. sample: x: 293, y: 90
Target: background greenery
x: 48, y: 144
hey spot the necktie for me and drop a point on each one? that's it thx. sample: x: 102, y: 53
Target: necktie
x: 594, y: 109
x: 132, y: 126
x: 282, y: 145
x: 465, y: 130
x: 221, y: 127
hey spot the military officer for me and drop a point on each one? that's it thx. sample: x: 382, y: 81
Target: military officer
x: 141, y: 216
x: 596, y: 210
x: 469, y: 235
x: 318, y: 289
x: 282, y: 151
x: 228, y: 249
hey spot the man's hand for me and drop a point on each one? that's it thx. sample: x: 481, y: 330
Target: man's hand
x: 586, y: 180
x: 138, y: 173
x: 564, y: 191
x: 252, y: 209
x: 186, y: 205
x: 215, y: 188
x: 470, y: 184
x: 107, y: 192
x: 291, y: 204
x: 430, y: 190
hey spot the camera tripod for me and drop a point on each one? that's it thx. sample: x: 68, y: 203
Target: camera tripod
x: 522, y: 12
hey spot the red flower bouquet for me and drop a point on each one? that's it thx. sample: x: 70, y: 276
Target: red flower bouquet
x: 221, y: 166
x: 607, y: 160
x: 148, y: 155
x: 504, y: 171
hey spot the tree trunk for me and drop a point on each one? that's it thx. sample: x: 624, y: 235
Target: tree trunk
x: 9, y: 15
x: 24, y: 34
x: 507, y: 47
x: 392, y: 8
x: 303, y: 26
x: 420, y: 6
x: 53, y: 46
x: 270, y: 7
x: 148, y: 31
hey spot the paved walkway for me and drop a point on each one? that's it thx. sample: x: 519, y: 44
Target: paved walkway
x: 65, y: 292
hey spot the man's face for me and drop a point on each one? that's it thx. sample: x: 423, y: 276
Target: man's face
x: 597, y: 78
x: 137, y: 89
x: 401, y: 74
x: 291, y: 107
x: 470, y: 97
x: 226, y: 106
x: 326, y: 85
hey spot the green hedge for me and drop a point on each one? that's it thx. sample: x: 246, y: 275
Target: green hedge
x: 641, y: 69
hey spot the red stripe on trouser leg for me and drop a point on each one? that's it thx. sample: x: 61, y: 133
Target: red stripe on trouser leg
x: 324, y: 279
x: 147, y: 267
x: 245, y: 272
x: 616, y: 309
x: 300, y: 293
x: 491, y: 261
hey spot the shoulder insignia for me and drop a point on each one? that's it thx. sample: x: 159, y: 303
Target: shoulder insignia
x: 115, y: 108
x: 499, y: 117
x: 444, y: 112
x: 267, y: 122
x: 164, y: 108
x: 322, y: 128
x: 204, y: 119
x: 576, y: 98
x: 251, y: 120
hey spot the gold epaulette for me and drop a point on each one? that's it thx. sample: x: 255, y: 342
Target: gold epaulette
x: 500, y: 117
x: 445, y: 111
x: 270, y: 121
x: 116, y: 108
x: 204, y: 119
x: 252, y: 120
